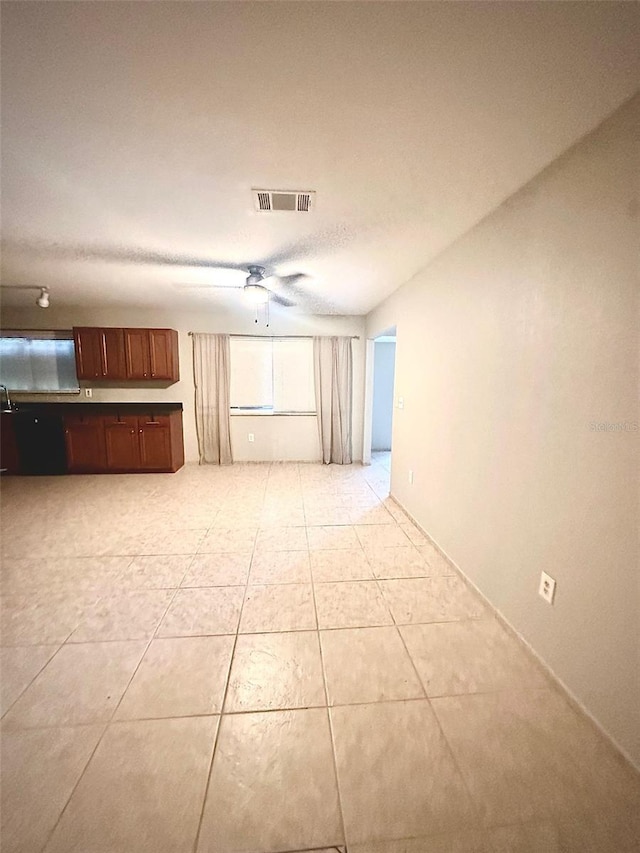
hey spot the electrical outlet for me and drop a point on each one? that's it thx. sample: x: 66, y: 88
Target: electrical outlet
x: 251, y: 437
x: 547, y: 588
x: 411, y: 477
x: 401, y: 402
x: 88, y: 392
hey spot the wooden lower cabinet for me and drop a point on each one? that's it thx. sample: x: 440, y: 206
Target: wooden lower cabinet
x: 84, y: 438
x: 155, y: 442
x: 124, y: 443
x: 121, y: 439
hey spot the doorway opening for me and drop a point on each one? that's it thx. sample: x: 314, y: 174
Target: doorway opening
x: 382, y: 403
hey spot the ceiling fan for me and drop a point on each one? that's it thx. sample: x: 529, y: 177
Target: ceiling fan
x: 255, y: 288
x: 253, y: 280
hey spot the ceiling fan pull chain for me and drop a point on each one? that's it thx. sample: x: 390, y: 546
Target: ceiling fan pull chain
x: 256, y: 320
x: 266, y: 311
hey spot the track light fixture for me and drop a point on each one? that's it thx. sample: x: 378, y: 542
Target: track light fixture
x: 42, y: 301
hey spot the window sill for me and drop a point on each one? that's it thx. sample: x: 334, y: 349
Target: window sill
x: 248, y: 413
x: 50, y: 393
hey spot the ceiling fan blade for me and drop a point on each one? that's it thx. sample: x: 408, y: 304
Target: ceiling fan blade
x: 203, y: 286
x: 127, y: 255
x: 281, y: 300
x: 294, y: 278
x: 306, y: 297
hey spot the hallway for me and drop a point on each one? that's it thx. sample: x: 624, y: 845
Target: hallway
x: 268, y: 658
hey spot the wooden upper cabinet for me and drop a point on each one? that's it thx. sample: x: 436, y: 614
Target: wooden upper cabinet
x: 152, y: 354
x: 163, y: 353
x: 99, y: 353
x: 136, y: 348
x: 112, y: 354
x: 87, y: 346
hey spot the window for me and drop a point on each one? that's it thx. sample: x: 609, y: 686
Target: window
x: 38, y: 362
x: 272, y: 376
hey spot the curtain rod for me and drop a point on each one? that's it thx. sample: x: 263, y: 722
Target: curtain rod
x: 279, y: 337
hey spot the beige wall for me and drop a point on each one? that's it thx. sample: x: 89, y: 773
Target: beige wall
x: 509, y: 345
x: 276, y: 438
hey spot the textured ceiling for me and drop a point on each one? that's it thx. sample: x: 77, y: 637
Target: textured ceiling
x: 132, y: 134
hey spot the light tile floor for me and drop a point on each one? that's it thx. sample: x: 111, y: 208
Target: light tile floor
x: 273, y: 658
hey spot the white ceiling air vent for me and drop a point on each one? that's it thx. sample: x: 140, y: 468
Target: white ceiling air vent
x: 295, y: 201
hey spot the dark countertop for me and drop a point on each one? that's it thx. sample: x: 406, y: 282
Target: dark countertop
x: 75, y: 408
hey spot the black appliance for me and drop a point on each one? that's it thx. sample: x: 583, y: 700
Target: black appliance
x: 41, y: 444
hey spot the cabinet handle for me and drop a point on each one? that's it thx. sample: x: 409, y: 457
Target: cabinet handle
x: 133, y: 432
x: 104, y: 354
x: 152, y: 354
x: 140, y: 430
x: 144, y: 374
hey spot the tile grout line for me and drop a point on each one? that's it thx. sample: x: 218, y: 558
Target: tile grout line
x: 185, y: 716
x: 196, y: 840
x: 44, y: 726
x: 42, y: 668
x: 63, y: 643
x: 329, y: 720
x: 108, y: 722
x: 472, y: 800
x: 474, y: 805
x: 247, y: 587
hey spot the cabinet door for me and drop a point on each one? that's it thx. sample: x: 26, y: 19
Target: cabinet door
x: 121, y: 439
x: 163, y: 354
x: 155, y: 442
x: 136, y: 347
x: 112, y: 354
x: 88, y: 353
x: 84, y: 438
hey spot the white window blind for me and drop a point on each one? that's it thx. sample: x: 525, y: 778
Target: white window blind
x: 293, y: 378
x: 272, y: 376
x: 251, y: 374
x: 38, y: 362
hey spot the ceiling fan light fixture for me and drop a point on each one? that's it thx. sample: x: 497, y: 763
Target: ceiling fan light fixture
x: 256, y: 294
x: 43, y: 300
x: 256, y: 275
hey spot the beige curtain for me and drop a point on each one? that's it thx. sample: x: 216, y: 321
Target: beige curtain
x: 211, y: 376
x: 333, y: 367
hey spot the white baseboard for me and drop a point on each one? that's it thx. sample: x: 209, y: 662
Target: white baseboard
x: 571, y: 697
